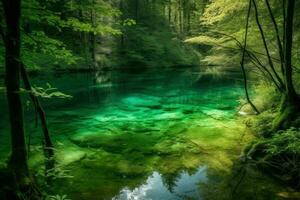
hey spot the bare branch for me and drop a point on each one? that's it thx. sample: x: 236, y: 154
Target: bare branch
x: 281, y: 55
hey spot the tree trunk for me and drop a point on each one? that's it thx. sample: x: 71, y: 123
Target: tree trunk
x: 22, y: 184
x: 47, y: 144
x: 170, y: 12
x: 290, y: 91
x: 290, y: 108
x: 136, y: 10
x: 18, y: 159
x: 93, y: 40
x: 121, y: 8
x: 242, y: 62
x: 281, y: 55
x: 271, y: 64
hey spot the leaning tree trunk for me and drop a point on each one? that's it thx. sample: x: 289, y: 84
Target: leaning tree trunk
x: 47, y: 143
x: 290, y: 101
x: 18, y: 160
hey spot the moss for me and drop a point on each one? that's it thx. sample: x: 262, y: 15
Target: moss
x: 262, y: 124
x: 285, y: 117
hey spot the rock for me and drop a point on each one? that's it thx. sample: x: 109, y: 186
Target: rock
x: 92, y: 139
x: 215, y: 113
x: 169, y: 115
x: 175, y: 130
x: 67, y: 155
x: 143, y: 101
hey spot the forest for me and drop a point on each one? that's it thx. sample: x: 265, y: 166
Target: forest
x: 149, y: 99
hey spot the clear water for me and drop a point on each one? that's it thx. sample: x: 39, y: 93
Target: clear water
x: 157, y: 135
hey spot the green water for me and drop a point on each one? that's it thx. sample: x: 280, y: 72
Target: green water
x: 157, y: 135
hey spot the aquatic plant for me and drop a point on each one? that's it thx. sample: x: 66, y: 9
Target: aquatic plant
x: 49, y: 92
x: 58, y: 172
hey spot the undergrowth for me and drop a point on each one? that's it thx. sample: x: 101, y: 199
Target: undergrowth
x: 275, y: 152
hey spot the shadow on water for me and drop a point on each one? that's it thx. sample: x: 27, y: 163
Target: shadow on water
x: 157, y: 135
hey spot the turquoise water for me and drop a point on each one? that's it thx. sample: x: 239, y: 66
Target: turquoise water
x: 169, y: 134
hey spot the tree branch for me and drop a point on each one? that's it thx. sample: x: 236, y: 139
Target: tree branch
x: 281, y: 54
x: 282, y: 86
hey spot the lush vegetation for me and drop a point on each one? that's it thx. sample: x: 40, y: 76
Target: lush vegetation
x: 259, y: 39
x: 257, y: 35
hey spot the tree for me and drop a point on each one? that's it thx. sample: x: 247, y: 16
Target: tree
x: 18, y: 160
x: 290, y: 107
x: 243, y: 61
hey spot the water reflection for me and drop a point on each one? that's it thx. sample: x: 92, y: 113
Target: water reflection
x: 185, y: 187
x: 102, y: 77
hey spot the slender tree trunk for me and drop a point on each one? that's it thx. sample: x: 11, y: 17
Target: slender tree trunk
x: 136, y: 10
x: 281, y: 55
x: 180, y: 16
x: 170, y: 11
x: 93, y: 39
x: 242, y: 62
x: 121, y: 8
x: 48, y: 145
x: 18, y: 160
x: 284, y: 23
x: 189, y: 17
x: 175, y: 17
x: 282, y: 86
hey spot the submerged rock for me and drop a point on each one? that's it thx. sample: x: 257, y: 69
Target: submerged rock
x: 169, y: 115
x: 143, y: 101
x: 123, y: 142
x: 67, y: 155
x: 175, y: 130
x: 215, y: 113
x: 91, y: 139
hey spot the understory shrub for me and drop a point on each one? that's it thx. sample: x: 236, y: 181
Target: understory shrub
x: 279, y: 154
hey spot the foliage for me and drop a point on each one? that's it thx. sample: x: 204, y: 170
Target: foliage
x: 58, y: 172
x: 266, y: 99
x: 284, y: 142
x: 57, y: 197
x: 49, y: 92
x: 151, y: 42
x: 279, y: 154
x: 48, y: 29
x: 220, y: 10
x: 38, y: 44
